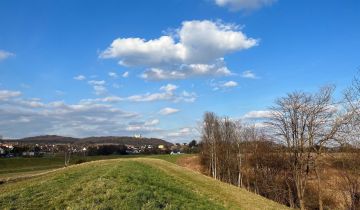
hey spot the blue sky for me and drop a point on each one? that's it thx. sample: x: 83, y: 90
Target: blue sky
x: 92, y: 68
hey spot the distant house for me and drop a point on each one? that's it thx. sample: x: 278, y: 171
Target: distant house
x: 28, y: 154
x: 138, y: 136
x: 161, y: 146
x: 2, y: 151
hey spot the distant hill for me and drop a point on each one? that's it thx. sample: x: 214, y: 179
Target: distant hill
x: 54, y: 139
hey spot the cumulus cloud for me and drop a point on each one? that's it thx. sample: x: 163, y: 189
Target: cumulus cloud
x: 185, y: 133
x: 184, y: 71
x: 245, y: 5
x: 7, y: 94
x: 108, y: 99
x: 31, y: 103
x: 230, y: 84
x: 257, y: 114
x: 168, y: 88
x: 5, y: 55
x: 223, y: 85
x: 98, y: 86
x: 125, y: 74
x: 249, y: 74
x: 80, y: 77
x: 96, y: 82
x: 99, y: 89
x: 20, y: 117
x: 113, y: 74
x: 168, y: 111
x: 143, y: 126
x: 197, y: 49
x: 167, y: 93
x: 26, y: 117
x: 163, y: 96
x: 152, y: 122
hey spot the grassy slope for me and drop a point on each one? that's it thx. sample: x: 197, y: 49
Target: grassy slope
x: 136, y: 183
x: 10, y: 167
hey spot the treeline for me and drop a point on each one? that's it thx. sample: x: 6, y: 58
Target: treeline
x: 305, y: 155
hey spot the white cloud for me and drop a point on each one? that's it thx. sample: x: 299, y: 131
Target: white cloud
x: 166, y: 93
x: 96, y: 82
x: 113, y: 74
x: 150, y: 97
x: 149, y: 125
x: 125, y: 74
x: 31, y: 103
x: 223, y: 85
x: 191, y: 70
x: 257, y: 114
x: 98, y: 86
x: 245, y: 5
x: 108, y: 99
x: 182, y: 132
x: 80, y: 77
x: 197, y: 49
x: 152, y: 122
x: 99, y: 89
x: 20, y: 117
x: 5, y: 55
x: 30, y: 117
x: 249, y: 74
x: 230, y: 84
x: 6, y: 94
x: 168, y: 111
x: 168, y: 88
x: 163, y: 96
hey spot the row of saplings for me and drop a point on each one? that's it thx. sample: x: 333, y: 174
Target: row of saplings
x: 305, y: 155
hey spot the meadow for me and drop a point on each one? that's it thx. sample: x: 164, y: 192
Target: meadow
x: 127, y: 183
x: 12, y: 167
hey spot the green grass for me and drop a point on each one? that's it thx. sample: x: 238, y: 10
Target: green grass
x: 127, y: 183
x: 18, y: 166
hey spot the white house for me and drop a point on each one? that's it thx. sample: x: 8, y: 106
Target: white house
x: 138, y: 136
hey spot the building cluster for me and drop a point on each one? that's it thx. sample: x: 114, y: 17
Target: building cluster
x: 28, y: 149
x: 31, y: 150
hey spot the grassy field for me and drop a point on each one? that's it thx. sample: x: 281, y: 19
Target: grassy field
x: 18, y: 166
x: 127, y: 183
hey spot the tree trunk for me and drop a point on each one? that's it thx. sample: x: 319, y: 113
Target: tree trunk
x: 302, y: 204
x: 299, y: 190
x: 291, y: 199
x: 65, y: 154
x: 239, y: 175
x: 319, y: 188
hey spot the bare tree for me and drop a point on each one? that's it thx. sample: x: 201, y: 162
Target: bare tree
x: 209, y: 136
x: 67, y: 155
x: 305, y: 123
x: 348, y: 164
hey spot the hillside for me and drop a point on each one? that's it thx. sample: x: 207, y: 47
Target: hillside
x: 54, y: 139
x: 141, y: 183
